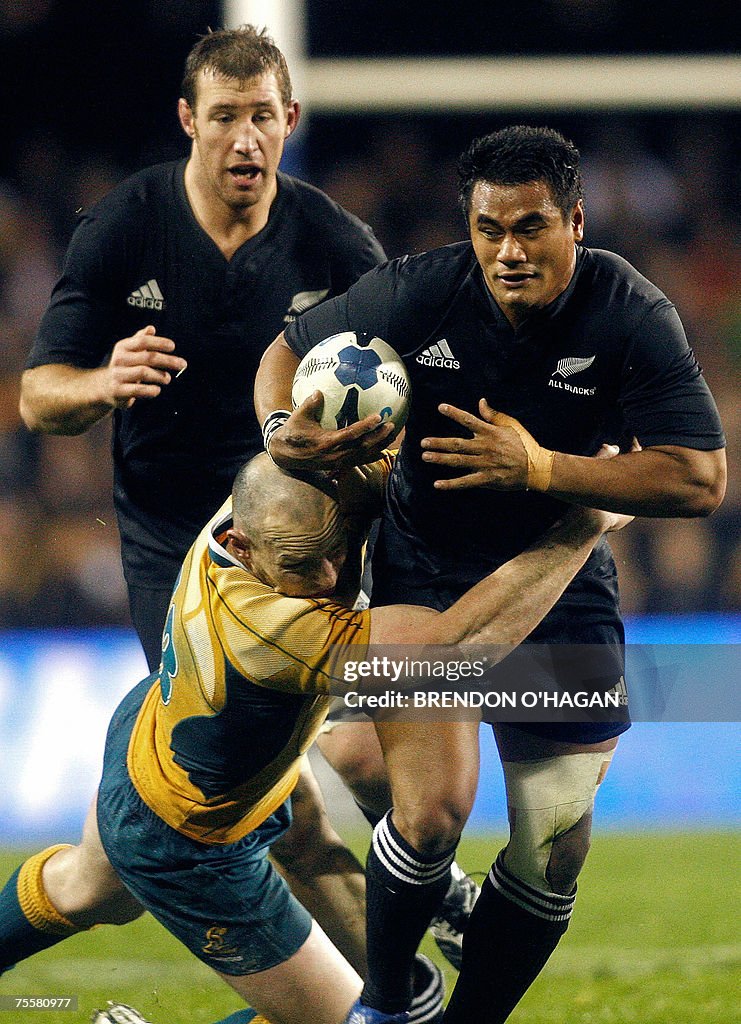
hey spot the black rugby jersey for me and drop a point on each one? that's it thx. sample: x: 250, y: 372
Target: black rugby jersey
x: 606, y: 360
x: 140, y: 257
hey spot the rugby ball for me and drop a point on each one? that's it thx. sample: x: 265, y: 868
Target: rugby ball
x: 358, y: 375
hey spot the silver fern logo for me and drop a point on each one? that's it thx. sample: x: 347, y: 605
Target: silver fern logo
x: 572, y: 364
x: 566, y: 368
x: 302, y: 301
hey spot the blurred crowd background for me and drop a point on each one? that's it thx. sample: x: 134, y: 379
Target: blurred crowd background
x: 89, y: 96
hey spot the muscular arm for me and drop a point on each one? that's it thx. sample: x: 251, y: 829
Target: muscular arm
x: 62, y: 399
x: 507, y: 605
x: 57, y: 398
x: 664, y: 480
x: 274, y: 378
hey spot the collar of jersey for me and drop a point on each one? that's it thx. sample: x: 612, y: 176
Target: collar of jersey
x: 218, y: 553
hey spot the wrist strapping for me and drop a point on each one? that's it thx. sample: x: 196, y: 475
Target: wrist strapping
x: 539, y: 460
x: 539, y: 467
x: 272, y: 423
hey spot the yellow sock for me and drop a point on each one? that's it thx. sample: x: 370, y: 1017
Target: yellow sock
x: 33, y: 900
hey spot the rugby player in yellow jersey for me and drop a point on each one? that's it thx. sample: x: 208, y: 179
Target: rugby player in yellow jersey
x: 202, y: 756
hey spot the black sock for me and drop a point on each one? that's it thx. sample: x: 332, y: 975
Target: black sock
x: 403, y: 889
x: 513, y: 930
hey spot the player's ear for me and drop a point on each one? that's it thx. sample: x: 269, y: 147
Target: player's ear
x: 294, y: 113
x: 577, y: 221
x: 239, y: 545
x: 186, y: 118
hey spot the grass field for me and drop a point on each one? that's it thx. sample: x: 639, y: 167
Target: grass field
x: 654, y: 940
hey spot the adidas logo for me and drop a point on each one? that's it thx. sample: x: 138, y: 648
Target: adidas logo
x: 439, y: 355
x: 302, y: 301
x: 148, y: 296
x: 621, y: 690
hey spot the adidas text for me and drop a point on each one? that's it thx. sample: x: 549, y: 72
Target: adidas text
x: 448, y: 364
x: 440, y: 355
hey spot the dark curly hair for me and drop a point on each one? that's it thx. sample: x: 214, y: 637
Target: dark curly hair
x: 521, y: 154
x: 240, y: 53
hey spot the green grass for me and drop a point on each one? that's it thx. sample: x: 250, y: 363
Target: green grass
x: 653, y: 941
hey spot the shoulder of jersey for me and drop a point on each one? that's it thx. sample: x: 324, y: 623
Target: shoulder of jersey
x: 150, y: 185
x: 618, y: 272
x: 437, y: 271
x: 316, y: 205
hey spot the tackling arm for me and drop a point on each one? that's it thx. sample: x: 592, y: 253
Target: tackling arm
x: 507, y: 605
x: 665, y: 481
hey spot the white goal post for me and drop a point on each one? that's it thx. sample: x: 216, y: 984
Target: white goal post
x: 471, y: 84
x: 477, y: 84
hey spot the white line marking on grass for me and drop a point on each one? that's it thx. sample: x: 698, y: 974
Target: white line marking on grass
x: 606, y: 961
x: 577, y: 961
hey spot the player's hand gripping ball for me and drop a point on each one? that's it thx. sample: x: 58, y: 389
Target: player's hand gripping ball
x: 358, y: 375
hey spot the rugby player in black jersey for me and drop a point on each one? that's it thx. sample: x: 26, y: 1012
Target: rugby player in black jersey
x: 526, y: 351
x: 172, y: 287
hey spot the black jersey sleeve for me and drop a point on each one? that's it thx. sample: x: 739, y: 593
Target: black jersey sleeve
x: 366, y: 306
x: 357, y: 251
x: 664, y: 397
x: 400, y: 301
x: 78, y: 326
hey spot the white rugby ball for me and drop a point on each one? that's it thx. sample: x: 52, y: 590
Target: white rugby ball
x: 358, y: 375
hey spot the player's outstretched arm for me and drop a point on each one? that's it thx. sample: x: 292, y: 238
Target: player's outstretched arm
x: 506, y: 605
x: 296, y: 441
x: 664, y: 480
x: 57, y: 398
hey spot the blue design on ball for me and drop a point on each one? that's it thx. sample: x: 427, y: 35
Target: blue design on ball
x: 357, y: 366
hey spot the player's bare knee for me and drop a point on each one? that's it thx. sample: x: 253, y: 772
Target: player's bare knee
x: 432, y: 826
x: 115, y: 908
x: 366, y: 782
x: 356, y: 757
x: 83, y: 887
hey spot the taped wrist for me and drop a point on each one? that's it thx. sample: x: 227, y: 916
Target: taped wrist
x: 539, y: 460
x: 272, y: 423
x: 539, y: 468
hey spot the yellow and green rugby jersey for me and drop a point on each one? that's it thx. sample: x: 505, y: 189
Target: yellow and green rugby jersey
x: 242, y: 688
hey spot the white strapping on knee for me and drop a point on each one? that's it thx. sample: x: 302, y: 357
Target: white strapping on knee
x: 546, y: 798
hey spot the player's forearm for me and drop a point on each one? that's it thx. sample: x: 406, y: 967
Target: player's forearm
x: 666, y: 482
x: 62, y: 399
x: 509, y: 603
x: 274, y: 378
x: 505, y: 606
